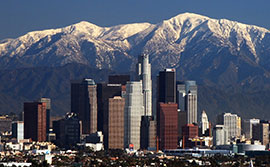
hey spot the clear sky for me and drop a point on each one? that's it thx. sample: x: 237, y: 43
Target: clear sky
x: 18, y: 17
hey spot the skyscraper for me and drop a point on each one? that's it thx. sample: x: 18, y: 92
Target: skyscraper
x: 48, y: 112
x: 204, y: 122
x: 144, y: 74
x: 119, y: 79
x: 187, y: 99
x: 104, y: 92
x: 84, y: 103
x: 35, y: 121
x: 166, y: 84
x: 116, y: 123
x: 134, y: 109
x: 231, y: 124
x: 148, y: 132
x: 168, y: 121
x: 261, y: 132
x: 247, y: 126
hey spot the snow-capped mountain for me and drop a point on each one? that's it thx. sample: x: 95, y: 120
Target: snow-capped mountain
x: 196, y: 45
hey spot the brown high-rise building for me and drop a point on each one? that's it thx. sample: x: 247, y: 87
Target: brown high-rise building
x: 168, y: 121
x: 261, y: 132
x: 104, y: 92
x: 116, y: 123
x: 35, y: 121
x: 84, y: 103
x: 189, y: 131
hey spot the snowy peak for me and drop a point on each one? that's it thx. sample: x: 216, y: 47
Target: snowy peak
x: 177, y: 42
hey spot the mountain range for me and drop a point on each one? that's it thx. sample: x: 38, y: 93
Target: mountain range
x: 227, y: 59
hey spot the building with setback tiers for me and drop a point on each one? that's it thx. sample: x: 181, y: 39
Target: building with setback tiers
x: 144, y: 74
x: 134, y: 110
x: 84, y: 103
x: 35, y: 121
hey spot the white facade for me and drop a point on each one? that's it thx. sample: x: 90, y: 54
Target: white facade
x: 144, y: 74
x: 18, y: 130
x: 231, y: 124
x: 187, y: 99
x: 220, y: 135
x: 247, y: 127
x: 204, y: 122
x: 191, y: 100
x: 134, y: 109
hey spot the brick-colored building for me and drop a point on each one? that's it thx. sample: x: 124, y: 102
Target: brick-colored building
x: 189, y: 131
x: 168, y: 121
x: 35, y: 121
x: 116, y: 123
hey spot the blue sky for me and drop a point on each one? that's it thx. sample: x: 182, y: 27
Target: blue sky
x: 18, y: 17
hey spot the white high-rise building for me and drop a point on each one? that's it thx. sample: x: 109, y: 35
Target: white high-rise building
x: 220, y: 135
x: 18, y: 130
x: 144, y: 74
x: 134, y: 110
x: 191, y: 108
x: 187, y: 99
x: 232, y: 124
x: 247, y: 126
x: 204, y: 122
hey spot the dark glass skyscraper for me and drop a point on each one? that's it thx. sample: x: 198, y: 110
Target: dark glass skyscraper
x: 166, y: 92
x: 84, y: 103
x: 35, y: 121
x: 166, y: 86
x: 104, y: 92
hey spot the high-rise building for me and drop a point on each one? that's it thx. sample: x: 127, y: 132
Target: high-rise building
x: 48, y: 112
x: 189, y: 132
x: 104, y: 92
x: 187, y: 99
x: 166, y: 84
x: 116, y: 123
x: 231, y: 124
x: 35, y: 121
x: 182, y: 121
x: 168, y: 121
x: 220, y: 135
x: 119, y: 79
x: 18, y: 130
x: 261, y: 132
x: 191, y: 108
x: 148, y: 132
x: 67, y: 130
x: 134, y: 109
x: 247, y: 126
x: 144, y: 74
x: 204, y: 122
x: 84, y: 103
